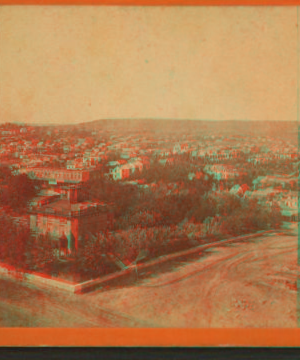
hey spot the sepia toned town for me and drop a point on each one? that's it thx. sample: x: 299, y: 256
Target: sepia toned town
x: 149, y: 170
x: 115, y: 204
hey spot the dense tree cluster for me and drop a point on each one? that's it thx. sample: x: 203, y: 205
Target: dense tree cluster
x: 16, y: 190
x: 133, y: 244
x: 173, y: 212
x: 19, y: 249
x: 228, y: 216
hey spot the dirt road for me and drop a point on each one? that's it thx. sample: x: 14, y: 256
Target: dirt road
x: 250, y: 284
x: 24, y: 306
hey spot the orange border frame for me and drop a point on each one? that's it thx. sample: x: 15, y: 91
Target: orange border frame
x: 156, y: 2
x: 150, y: 337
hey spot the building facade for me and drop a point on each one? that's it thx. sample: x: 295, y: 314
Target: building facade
x: 57, y: 175
x: 67, y: 214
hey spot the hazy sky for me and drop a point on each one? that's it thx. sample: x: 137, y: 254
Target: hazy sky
x: 76, y: 64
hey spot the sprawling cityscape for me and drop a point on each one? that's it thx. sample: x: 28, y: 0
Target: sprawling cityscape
x: 149, y: 170
x: 93, y: 203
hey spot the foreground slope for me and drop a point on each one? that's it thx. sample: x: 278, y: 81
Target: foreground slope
x: 245, y: 284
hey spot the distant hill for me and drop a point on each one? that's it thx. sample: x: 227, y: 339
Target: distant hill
x: 230, y: 127
x: 276, y: 129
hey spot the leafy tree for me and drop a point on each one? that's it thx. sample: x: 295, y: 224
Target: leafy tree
x: 40, y: 252
x: 14, y: 243
x: 20, y: 189
x: 91, y: 255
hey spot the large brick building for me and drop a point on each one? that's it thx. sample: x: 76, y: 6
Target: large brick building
x: 68, y: 213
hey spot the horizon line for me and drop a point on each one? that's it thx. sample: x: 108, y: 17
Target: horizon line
x: 143, y: 119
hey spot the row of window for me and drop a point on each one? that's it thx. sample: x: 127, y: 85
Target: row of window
x: 59, y: 175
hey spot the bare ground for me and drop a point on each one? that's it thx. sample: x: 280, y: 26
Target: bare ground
x: 246, y: 284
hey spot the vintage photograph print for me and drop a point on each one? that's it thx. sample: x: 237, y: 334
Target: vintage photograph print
x: 148, y: 167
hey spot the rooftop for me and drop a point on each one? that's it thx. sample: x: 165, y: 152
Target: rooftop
x: 64, y: 207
